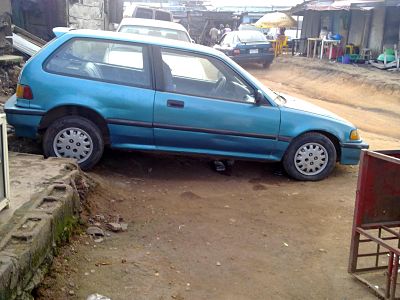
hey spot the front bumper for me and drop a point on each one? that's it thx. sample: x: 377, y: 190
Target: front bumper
x: 25, y: 121
x: 350, y: 152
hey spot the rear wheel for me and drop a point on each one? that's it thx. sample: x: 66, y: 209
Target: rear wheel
x: 310, y: 157
x: 74, y: 137
x: 266, y: 65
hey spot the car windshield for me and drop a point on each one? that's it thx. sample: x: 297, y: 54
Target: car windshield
x: 251, y: 36
x: 171, y: 34
x: 272, y: 95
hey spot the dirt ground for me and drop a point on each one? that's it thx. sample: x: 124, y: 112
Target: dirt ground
x: 197, y: 234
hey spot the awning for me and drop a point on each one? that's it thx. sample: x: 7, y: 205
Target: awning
x: 333, y: 5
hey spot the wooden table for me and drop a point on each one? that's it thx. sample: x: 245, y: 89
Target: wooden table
x: 311, y: 41
x: 330, y: 43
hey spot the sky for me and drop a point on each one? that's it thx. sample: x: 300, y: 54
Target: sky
x: 255, y: 2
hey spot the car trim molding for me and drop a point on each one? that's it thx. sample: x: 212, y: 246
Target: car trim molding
x: 20, y: 111
x: 354, y: 146
x: 187, y: 128
x: 215, y: 131
x: 129, y: 123
x: 283, y: 138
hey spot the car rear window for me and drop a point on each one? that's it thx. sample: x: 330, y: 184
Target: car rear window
x: 156, y: 31
x: 251, y: 36
x: 102, y: 60
x: 163, y: 15
x: 143, y: 13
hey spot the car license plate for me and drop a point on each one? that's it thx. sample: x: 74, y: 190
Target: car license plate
x: 253, y: 51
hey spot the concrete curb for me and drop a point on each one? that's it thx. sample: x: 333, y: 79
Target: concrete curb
x: 29, y: 239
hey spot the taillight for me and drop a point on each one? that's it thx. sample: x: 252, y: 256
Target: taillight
x: 236, y: 52
x: 24, y: 92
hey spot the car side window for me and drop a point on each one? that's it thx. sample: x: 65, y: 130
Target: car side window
x: 202, y: 76
x: 103, y: 60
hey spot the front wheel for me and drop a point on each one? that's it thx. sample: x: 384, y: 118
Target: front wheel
x: 74, y: 137
x: 310, y: 157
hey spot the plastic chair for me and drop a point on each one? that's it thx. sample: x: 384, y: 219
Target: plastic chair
x: 285, y: 45
x: 349, y: 49
x: 366, y: 54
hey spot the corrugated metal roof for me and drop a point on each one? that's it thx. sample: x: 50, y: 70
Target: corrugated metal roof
x: 332, y: 5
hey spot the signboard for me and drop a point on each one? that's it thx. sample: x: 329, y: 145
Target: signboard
x: 4, y: 173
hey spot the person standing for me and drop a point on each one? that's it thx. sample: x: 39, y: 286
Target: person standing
x: 323, y: 33
x: 214, y: 33
x: 227, y: 28
x: 221, y: 30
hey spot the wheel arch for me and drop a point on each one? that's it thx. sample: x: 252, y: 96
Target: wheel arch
x: 75, y: 110
x: 333, y: 138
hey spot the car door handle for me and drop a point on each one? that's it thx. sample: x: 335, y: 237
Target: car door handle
x: 175, y: 103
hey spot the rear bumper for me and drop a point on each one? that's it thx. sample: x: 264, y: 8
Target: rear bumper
x: 247, y: 58
x: 350, y: 152
x: 25, y: 121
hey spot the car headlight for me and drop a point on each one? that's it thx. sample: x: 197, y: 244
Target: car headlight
x: 355, y: 135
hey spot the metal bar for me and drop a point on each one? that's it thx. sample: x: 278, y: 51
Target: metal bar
x: 394, y: 277
x: 355, y: 243
x: 370, y: 269
x: 389, y: 275
x: 378, y: 240
x: 377, y: 225
x: 378, y: 247
x: 398, y: 244
x: 383, y: 238
x: 372, y: 254
x: 391, y: 231
x: 384, y: 157
x: 372, y: 286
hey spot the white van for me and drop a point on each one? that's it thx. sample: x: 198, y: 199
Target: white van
x: 144, y: 12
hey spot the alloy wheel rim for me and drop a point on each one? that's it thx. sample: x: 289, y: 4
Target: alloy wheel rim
x: 311, y: 159
x: 74, y: 143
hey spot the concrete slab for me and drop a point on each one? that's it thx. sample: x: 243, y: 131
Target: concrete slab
x: 44, y: 209
x: 29, y: 174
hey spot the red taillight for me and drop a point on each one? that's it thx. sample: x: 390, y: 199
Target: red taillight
x: 24, y: 92
x: 236, y: 52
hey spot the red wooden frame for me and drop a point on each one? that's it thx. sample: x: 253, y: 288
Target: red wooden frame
x: 377, y: 218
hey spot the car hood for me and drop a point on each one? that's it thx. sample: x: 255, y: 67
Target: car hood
x: 302, y: 105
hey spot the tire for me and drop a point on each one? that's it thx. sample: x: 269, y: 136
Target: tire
x: 266, y: 65
x: 315, y: 146
x: 77, y: 138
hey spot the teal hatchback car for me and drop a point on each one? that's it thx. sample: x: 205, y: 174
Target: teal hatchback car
x: 88, y: 89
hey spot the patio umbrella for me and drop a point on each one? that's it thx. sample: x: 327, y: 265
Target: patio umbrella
x: 276, y: 19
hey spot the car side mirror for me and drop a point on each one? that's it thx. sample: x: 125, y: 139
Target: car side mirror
x: 258, y: 97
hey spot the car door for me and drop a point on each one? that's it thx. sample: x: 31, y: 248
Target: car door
x: 207, y: 107
x: 226, y: 43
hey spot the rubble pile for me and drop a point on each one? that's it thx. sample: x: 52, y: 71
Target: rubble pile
x: 100, y: 226
x: 15, y: 48
x: 9, y: 78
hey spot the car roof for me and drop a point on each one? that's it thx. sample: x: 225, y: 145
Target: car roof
x: 145, y: 39
x: 244, y: 31
x: 152, y: 23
